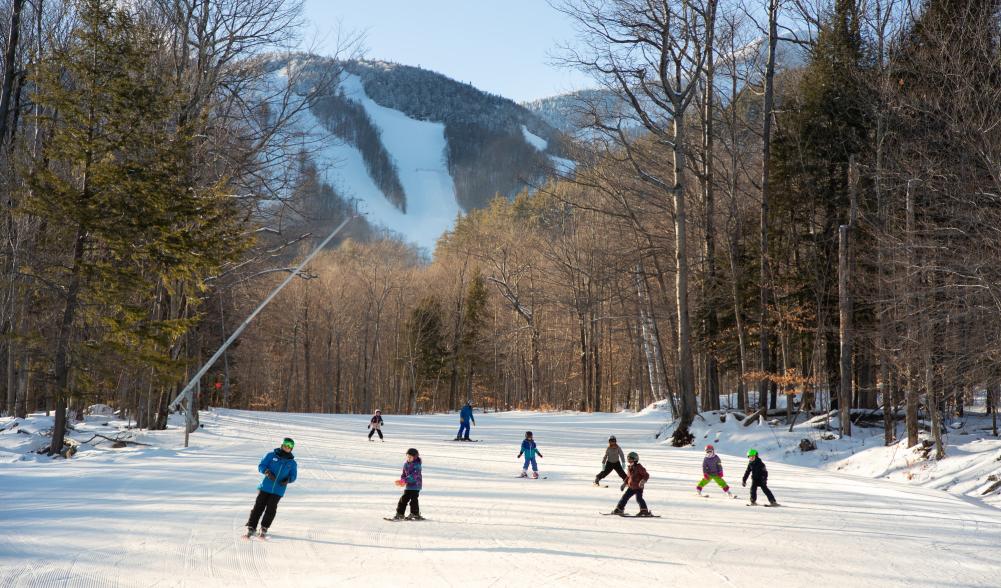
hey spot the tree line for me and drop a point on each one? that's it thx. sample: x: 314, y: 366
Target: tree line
x: 738, y: 232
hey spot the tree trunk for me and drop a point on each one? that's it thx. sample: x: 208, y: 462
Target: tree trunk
x: 10, y: 68
x: 766, y: 139
x: 686, y: 381
x: 845, y: 313
x: 911, y: 394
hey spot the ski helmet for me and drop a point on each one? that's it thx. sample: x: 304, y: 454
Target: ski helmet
x: 528, y: 433
x: 378, y: 411
x: 633, y: 456
x: 413, y: 452
x: 611, y: 438
x: 288, y: 441
x: 752, y: 453
x: 710, y: 448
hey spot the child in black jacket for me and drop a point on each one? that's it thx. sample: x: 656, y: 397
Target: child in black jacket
x: 759, y: 478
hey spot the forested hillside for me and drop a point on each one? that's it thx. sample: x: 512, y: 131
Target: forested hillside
x: 822, y: 232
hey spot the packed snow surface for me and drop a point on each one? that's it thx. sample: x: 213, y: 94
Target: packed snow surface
x: 168, y: 516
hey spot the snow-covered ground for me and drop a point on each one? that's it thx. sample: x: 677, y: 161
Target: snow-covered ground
x: 167, y: 516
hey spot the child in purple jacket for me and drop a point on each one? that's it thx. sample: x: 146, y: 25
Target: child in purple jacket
x: 712, y: 471
x: 412, y: 481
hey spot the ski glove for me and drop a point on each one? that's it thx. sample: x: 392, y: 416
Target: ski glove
x: 519, y: 455
x: 284, y: 482
x: 623, y: 486
x: 539, y: 454
x: 744, y: 483
x: 269, y: 475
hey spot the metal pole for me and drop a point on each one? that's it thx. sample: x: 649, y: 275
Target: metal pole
x: 185, y: 394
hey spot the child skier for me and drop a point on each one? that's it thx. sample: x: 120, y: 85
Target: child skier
x: 529, y: 450
x: 759, y: 478
x: 612, y: 461
x: 712, y: 471
x: 412, y: 480
x: 280, y: 470
x: 635, y: 481
x: 375, y: 425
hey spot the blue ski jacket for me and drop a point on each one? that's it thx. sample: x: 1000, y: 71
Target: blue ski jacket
x: 466, y: 414
x: 529, y: 449
x: 282, y: 465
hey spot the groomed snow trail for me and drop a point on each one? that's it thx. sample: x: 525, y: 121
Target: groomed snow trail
x: 172, y: 517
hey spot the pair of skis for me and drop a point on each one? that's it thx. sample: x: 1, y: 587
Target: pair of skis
x: 630, y: 516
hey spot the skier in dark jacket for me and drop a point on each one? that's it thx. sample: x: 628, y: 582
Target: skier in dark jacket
x: 612, y: 461
x: 633, y: 486
x: 412, y: 481
x: 759, y: 478
x: 375, y: 425
x: 529, y: 450
x: 280, y: 470
x: 465, y: 418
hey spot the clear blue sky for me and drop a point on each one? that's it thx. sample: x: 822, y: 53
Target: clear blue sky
x: 501, y: 46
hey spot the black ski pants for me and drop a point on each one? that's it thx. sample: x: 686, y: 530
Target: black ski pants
x: 373, y: 432
x: 629, y: 493
x: 409, y: 496
x: 609, y: 466
x: 763, y: 484
x: 266, y: 504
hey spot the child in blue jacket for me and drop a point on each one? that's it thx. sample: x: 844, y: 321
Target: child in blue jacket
x: 529, y: 450
x: 280, y: 470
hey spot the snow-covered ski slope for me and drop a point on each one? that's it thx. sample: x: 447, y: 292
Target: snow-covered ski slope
x: 172, y: 517
x: 418, y: 149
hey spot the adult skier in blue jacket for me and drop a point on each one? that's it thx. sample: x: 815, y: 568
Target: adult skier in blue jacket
x: 280, y: 470
x: 465, y: 418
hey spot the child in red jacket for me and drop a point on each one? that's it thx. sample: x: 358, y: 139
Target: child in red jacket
x: 635, y: 481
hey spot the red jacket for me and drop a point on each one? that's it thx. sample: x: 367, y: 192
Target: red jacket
x: 637, y: 476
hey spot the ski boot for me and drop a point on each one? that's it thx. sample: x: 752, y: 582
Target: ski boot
x: 264, y: 533
x: 618, y: 511
x: 644, y: 513
x: 524, y: 474
x: 535, y: 475
x: 752, y: 503
x: 596, y: 482
x: 398, y: 517
x: 773, y: 503
x: 698, y: 490
x: 414, y: 516
x: 251, y: 531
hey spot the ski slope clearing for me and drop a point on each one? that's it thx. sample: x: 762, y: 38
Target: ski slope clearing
x: 168, y: 516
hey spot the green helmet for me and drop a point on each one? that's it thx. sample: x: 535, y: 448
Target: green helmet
x: 633, y: 456
x: 752, y: 453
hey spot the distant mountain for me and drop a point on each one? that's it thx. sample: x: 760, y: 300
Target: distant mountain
x: 570, y: 112
x: 417, y: 148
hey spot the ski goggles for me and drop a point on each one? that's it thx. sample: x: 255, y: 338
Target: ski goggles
x: 288, y: 444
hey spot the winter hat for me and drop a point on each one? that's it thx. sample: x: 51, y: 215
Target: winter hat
x: 633, y: 456
x: 378, y: 410
x: 288, y: 441
x: 612, y: 438
x: 710, y: 448
x: 413, y: 452
x: 752, y: 452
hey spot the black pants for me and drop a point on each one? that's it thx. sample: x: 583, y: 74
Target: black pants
x: 373, y: 432
x: 763, y: 484
x: 629, y: 493
x: 609, y: 466
x: 266, y: 504
x: 410, y: 496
